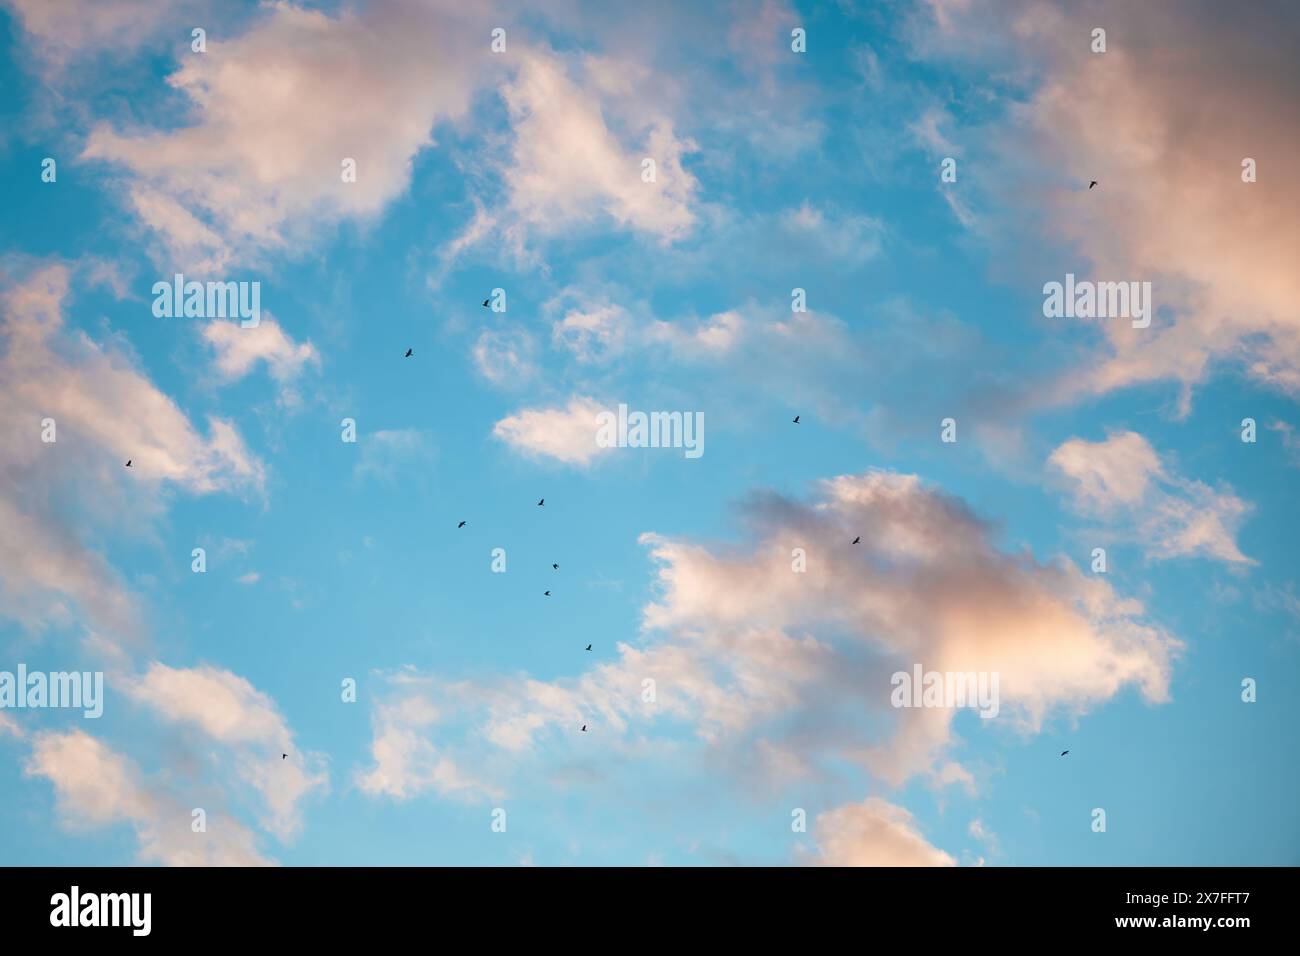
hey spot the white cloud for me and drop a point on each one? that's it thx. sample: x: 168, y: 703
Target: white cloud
x: 873, y: 833
x: 10, y: 726
x: 566, y: 434
x: 105, y: 412
x: 230, y: 711
x: 96, y: 787
x: 593, y: 333
x: 405, y: 760
x: 67, y: 30
x: 275, y: 111
x: 505, y: 356
x: 715, y: 337
x: 1165, y: 138
x: 239, y: 349
x: 1123, y: 480
x: 788, y: 674
x: 569, y: 167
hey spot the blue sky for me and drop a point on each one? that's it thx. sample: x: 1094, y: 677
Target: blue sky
x: 522, y: 170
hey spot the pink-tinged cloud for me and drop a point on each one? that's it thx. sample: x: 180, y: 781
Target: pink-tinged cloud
x: 1123, y: 481
x: 1163, y: 121
x: 566, y: 434
x: 96, y: 787
x: 872, y: 833
x: 276, y: 110
x: 789, y: 672
x: 230, y: 711
x: 101, y: 412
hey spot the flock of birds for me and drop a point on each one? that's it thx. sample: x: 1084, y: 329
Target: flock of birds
x: 541, y: 502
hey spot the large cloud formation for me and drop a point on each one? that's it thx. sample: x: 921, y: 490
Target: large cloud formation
x: 789, y: 671
x: 1163, y: 120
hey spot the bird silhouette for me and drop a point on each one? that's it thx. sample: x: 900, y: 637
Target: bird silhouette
x: 796, y: 419
x: 858, y: 539
x: 1091, y: 184
x: 1064, y: 752
x: 485, y: 303
x: 541, y: 502
x: 128, y: 462
x: 548, y: 593
x: 461, y: 525
x: 283, y: 756
x: 584, y: 728
x: 408, y: 353
x: 588, y: 647
x: 556, y: 566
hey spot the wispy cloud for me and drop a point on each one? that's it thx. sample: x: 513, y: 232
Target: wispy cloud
x: 1124, y: 481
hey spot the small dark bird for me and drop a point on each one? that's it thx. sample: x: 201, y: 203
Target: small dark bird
x: 588, y: 647
x: 556, y: 566
x: 796, y: 419
x: 858, y: 539
x: 485, y: 303
x: 408, y: 354
x: 548, y: 593
x: 461, y: 525
x: 283, y: 756
x: 584, y: 728
x: 1064, y: 752
x: 128, y: 463
x: 541, y: 502
x: 1091, y: 184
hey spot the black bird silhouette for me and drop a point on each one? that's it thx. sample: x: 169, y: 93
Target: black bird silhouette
x: 858, y: 539
x: 584, y: 728
x: 548, y: 593
x: 796, y: 419
x: 588, y: 647
x: 556, y: 566
x: 485, y: 303
x: 461, y: 525
x: 128, y: 462
x: 408, y: 354
x: 1064, y: 752
x: 541, y: 502
x: 283, y: 756
x: 1091, y: 184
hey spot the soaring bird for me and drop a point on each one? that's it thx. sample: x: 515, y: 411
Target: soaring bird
x: 128, y: 463
x: 796, y: 419
x: 548, y: 593
x: 556, y: 566
x: 858, y: 539
x: 1091, y: 184
x: 485, y: 303
x: 541, y: 502
x: 461, y: 525
x: 283, y: 756
x: 1064, y: 752
x: 588, y: 647
x: 408, y: 354
x: 584, y: 728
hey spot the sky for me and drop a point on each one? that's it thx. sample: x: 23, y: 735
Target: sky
x: 741, y: 212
